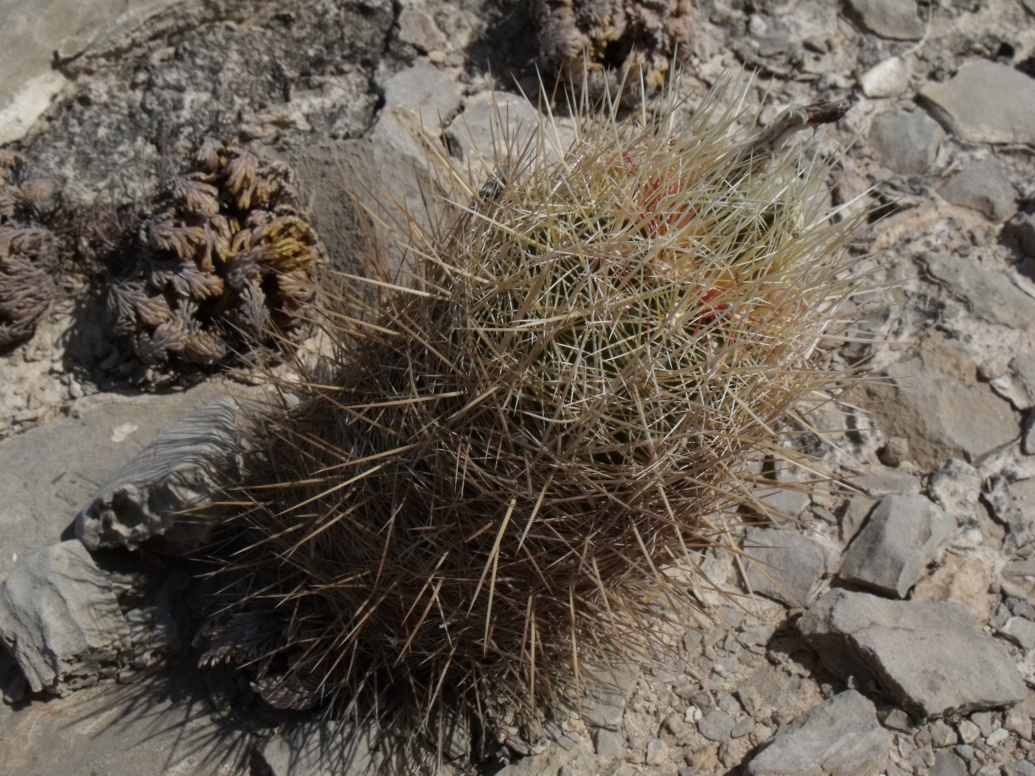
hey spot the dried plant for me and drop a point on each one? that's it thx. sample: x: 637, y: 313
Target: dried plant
x: 28, y: 256
x: 226, y: 262
x: 476, y: 501
x: 610, y: 37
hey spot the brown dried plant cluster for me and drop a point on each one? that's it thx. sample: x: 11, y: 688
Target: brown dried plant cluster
x: 475, y: 503
x: 610, y: 37
x: 225, y: 262
x: 28, y: 256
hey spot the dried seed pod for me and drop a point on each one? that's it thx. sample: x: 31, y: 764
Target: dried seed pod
x: 214, y: 247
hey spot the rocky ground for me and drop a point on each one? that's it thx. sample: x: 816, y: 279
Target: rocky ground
x: 889, y: 629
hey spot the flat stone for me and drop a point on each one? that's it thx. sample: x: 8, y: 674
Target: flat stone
x: 889, y: 78
x: 1013, y: 504
x: 893, y: 19
x: 991, y: 296
x: 1021, y: 631
x: 321, y: 749
x: 52, y: 470
x: 948, y: 764
x: 885, y: 481
x: 922, y: 654
x: 185, y: 467
x: 783, y: 565
x: 417, y: 27
x: 942, y: 416
x: 906, y: 141
x: 60, y: 619
x: 716, y: 726
x: 1017, y: 578
x: 962, y: 580
x: 892, y: 550
x: 985, y: 102
x: 426, y: 91
x: 609, y: 743
x: 841, y: 737
x: 981, y: 185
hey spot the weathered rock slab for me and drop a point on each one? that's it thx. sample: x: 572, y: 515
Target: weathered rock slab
x: 148, y: 498
x: 985, y: 102
x: 841, y: 737
x: 894, y: 19
x: 783, y: 565
x: 982, y: 185
x: 922, y: 654
x: 906, y: 142
x: 61, y: 620
x: 892, y: 550
x: 991, y: 296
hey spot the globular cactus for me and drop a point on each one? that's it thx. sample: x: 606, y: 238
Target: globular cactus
x: 598, y: 40
x: 225, y: 262
x: 478, y: 498
x: 28, y: 255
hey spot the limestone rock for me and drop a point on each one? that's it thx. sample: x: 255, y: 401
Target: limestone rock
x: 906, y: 142
x: 984, y: 186
x: 885, y: 79
x: 60, y: 618
x: 991, y: 296
x: 783, y: 565
x: 985, y: 102
x: 922, y: 654
x: 841, y: 737
x: 146, y: 499
x: 894, y: 19
x: 892, y: 550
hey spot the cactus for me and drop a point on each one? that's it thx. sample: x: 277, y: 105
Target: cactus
x: 224, y: 263
x: 611, y: 36
x: 28, y: 256
x: 475, y: 501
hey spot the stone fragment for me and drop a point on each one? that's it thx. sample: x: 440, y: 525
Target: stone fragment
x: 716, y: 726
x: 981, y: 185
x: 321, y: 749
x: 991, y: 296
x: 841, y: 737
x: 884, y: 481
x: 1021, y: 631
x: 608, y: 743
x: 948, y: 764
x: 922, y: 654
x: 885, y: 79
x: 892, y: 550
x: 1017, y: 578
x: 906, y: 141
x: 985, y: 102
x: 417, y: 27
x: 60, y: 619
x: 185, y: 467
x: 426, y: 91
x: 1013, y: 504
x: 893, y: 19
x: 657, y: 752
x: 783, y: 565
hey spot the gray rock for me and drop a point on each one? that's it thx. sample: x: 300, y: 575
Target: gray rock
x: 71, y: 456
x: 148, y: 498
x: 417, y: 27
x: 981, y: 185
x: 884, y: 481
x: 783, y: 565
x: 766, y: 690
x: 948, y: 764
x: 841, y: 737
x: 1017, y: 578
x: 894, y: 19
x: 609, y: 743
x: 985, y: 102
x: 609, y: 692
x: 893, y: 549
x: 1022, y: 229
x: 1013, y: 504
x: 922, y: 654
x: 991, y: 296
x: 426, y: 91
x: 906, y: 142
x: 942, y: 415
x: 716, y: 726
x: 61, y: 620
x: 1021, y: 631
